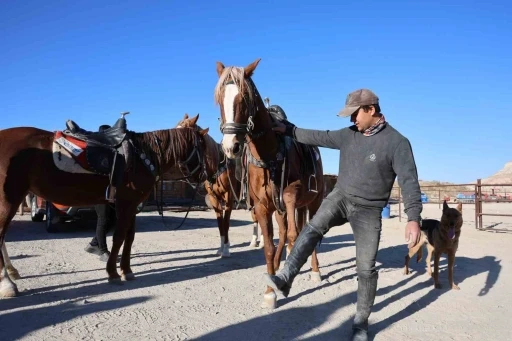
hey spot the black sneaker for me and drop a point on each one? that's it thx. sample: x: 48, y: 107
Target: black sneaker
x: 94, y: 249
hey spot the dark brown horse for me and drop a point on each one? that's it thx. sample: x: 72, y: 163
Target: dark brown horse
x: 28, y: 162
x: 221, y: 189
x: 245, y: 119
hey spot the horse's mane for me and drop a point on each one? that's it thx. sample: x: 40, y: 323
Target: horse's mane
x: 235, y: 75
x: 177, y: 142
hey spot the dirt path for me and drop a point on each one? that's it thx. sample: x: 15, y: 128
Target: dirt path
x: 184, y: 292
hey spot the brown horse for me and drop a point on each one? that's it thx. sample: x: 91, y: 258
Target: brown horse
x: 245, y: 117
x: 28, y: 163
x: 221, y: 189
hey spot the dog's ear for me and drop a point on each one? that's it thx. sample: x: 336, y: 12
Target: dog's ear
x: 445, y: 206
x: 459, y: 207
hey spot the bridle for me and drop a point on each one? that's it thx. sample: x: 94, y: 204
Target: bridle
x: 184, y: 166
x: 201, y: 162
x: 245, y: 129
x: 187, y: 173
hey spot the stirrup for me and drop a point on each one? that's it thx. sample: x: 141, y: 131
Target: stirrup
x: 309, y: 184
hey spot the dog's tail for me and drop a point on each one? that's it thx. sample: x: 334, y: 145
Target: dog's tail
x: 419, y: 255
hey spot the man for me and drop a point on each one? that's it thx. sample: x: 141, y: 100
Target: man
x: 373, y: 153
x: 106, y: 219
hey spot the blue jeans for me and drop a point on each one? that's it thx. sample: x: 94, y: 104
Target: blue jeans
x: 366, y: 223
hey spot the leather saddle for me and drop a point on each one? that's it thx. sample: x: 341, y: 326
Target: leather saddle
x: 111, y: 137
x: 309, y: 154
x: 107, y: 152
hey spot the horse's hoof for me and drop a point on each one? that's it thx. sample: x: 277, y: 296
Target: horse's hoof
x: 128, y: 277
x: 225, y: 252
x: 115, y: 281
x: 254, y: 242
x: 261, y: 244
x: 316, y: 277
x: 13, y: 273
x: 219, y: 251
x: 8, y: 291
x: 269, y: 301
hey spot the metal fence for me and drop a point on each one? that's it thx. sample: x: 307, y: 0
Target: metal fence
x: 476, y: 194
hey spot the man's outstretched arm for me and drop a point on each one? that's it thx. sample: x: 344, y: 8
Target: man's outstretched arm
x: 320, y: 138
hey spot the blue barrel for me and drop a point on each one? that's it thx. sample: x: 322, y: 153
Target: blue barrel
x: 386, y: 212
x: 424, y: 197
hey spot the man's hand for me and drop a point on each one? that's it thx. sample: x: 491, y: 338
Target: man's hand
x: 279, y: 127
x: 412, y: 233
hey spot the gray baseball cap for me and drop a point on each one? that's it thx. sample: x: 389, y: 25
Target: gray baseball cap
x: 357, y: 99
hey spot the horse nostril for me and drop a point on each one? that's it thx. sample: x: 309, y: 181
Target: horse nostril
x: 236, y: 147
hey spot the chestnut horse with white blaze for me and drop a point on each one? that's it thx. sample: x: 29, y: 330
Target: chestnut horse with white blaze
x: 272, y: 163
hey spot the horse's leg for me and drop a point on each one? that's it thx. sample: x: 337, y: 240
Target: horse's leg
x: 265, y: 220
x: 11, y: 270
x: 290, y: 199
x: 315, y: 269
x: 282, y: 223
x: 122, y: 224
x: 254, y: 239
x: 217, y: 207
x: 225, y: 225
x: 7, y: 212
x: 126, y: 271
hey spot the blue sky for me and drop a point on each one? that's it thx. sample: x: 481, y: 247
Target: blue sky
x: 442, y: 69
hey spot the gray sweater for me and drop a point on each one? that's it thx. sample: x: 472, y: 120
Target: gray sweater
x: 369, y: 165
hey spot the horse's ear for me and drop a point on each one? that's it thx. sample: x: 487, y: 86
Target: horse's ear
x: 204, y: 131
x: 185, y: 117
x: 220, y: 68
x: 193, y: 120
x: 249, y: 69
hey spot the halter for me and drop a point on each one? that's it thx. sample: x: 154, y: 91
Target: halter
x: 244, y: 128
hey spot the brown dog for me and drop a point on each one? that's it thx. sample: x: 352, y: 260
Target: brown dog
x: 440, y: 237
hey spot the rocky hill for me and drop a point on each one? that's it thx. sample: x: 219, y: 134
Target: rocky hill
x: 503, y: 176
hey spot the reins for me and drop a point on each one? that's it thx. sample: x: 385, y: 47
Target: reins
x: 183, y: 166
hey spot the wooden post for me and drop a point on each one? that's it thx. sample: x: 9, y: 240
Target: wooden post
x: 480, y: 208
x: 439, y: 197
x: 477, y: 203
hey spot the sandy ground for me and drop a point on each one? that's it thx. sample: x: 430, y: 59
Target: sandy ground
x: 184, y: 292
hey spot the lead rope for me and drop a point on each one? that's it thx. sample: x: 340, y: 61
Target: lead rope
x: 160, y: 204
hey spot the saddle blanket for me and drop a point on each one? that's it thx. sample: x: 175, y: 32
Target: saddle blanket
x: 69, y: 154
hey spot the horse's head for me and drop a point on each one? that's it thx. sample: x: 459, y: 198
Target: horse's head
x: 210, y: 151
x: 188, y: 122
x: 236, y: 94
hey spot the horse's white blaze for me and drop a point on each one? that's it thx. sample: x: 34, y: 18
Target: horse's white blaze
x: 228, y: 140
